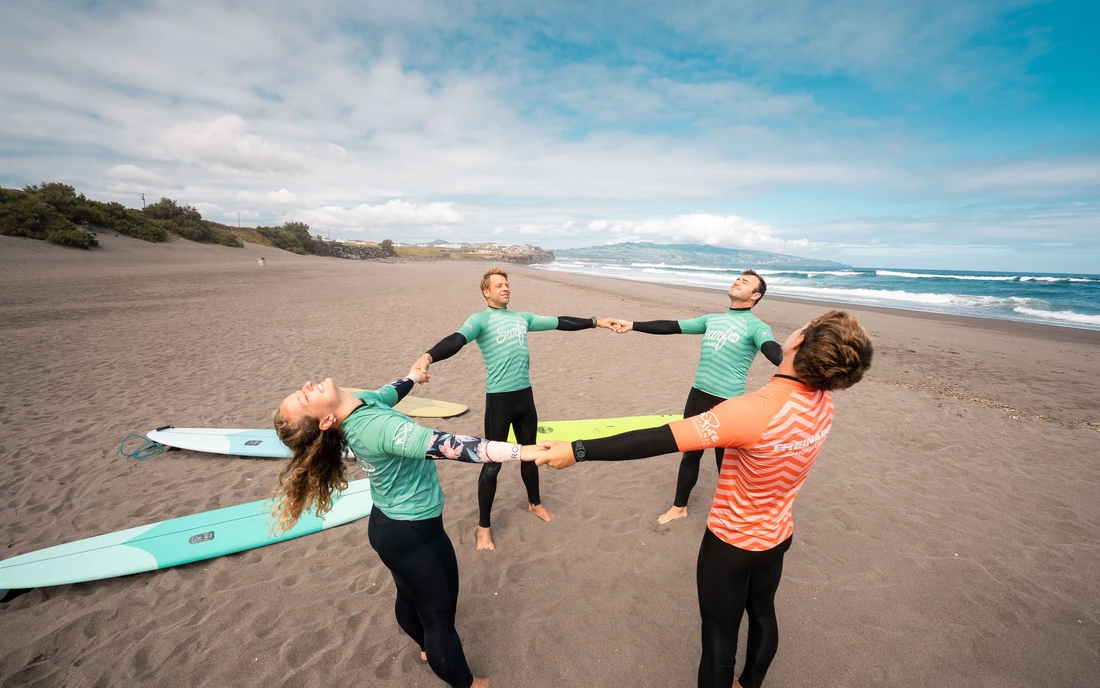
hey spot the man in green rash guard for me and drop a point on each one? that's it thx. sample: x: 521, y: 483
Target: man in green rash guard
x: 501, y: 335
x: 730, y: 343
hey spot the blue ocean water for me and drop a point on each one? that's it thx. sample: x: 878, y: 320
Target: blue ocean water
x: 1051, y: 299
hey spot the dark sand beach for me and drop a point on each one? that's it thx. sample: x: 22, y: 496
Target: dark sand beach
x: 948, y: 535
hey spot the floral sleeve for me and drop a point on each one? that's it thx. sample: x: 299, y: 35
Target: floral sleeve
x: 469, y: 449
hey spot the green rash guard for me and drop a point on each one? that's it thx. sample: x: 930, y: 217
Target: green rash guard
x: 501, y: 335
x: 730, y: 343
x: 391, y: 449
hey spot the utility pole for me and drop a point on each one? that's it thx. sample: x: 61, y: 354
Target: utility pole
x: 238, y: 220
x: 142, y: 201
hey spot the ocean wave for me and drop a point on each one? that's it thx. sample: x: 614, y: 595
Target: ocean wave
x: 1062, y: 316
x: 738, y: 270
x: 694, y: 275
x: 915, y: 275
x: 811, y: 273
x: 1029, y: 278
x: 683, y: 267
x: 899, y: 295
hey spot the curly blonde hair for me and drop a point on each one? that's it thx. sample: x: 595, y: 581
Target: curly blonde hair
x: 315, y: 471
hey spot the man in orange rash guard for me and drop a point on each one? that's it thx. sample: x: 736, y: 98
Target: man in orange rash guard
x: 772, y: 437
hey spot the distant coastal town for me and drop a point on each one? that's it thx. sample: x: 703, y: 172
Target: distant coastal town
x: 360, y: 249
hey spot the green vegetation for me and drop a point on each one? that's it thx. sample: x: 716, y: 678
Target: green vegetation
x: 54, y: 211
x: 80, y: 210
x: 420, y: 252
x: 26, y: 215
x: 292, y: 236
x: 188, y: 223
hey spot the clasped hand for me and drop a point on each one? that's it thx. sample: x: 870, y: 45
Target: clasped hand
x: 551, y: 453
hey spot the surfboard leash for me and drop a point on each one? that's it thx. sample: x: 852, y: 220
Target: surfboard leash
x: 147, y: 450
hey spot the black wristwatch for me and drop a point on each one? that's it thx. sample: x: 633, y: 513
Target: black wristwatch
x: 579, y: 452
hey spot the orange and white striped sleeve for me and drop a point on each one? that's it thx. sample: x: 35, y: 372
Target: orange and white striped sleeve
x: 737, y: 422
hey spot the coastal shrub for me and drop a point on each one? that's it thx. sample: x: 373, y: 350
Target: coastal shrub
x: 62, y: 197
x: 71, y: 236
x: 387, y: 248
x: 279, y: 237
x: 26, y: 215
x: 187, y: 222
x: 79, y: 209
x: 300, y: 230
x: 132, y: 223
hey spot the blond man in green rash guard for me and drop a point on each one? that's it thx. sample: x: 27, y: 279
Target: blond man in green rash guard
x: 730, y: 343
x: 501, y: 335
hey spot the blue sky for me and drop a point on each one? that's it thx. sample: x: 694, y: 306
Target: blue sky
x: 935, y: 134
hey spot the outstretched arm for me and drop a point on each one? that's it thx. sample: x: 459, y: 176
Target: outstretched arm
x: 654, y: 327
x: 445, y: 446
x: 403, y: 386
x: 568, y: 323
x: 447, y: 347
x: 636, y: 444
x: 772, y: 351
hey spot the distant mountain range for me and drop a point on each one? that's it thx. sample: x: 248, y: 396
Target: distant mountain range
x: 691, y: 254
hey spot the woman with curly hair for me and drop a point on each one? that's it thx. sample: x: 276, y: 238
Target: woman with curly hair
x: 318, y: 423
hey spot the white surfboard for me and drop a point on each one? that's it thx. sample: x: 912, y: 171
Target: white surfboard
x: 258, y: 444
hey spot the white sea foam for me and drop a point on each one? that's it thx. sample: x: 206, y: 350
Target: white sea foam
x: 737, y: 270
x: 918, y: 275
x: 883, y: 296
x: 1061, y: 316
x: 1029, y: 278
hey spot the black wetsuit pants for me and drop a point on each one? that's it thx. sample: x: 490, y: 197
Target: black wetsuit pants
x: 698, y: 401
x: 422, y: 560
x: 505, y: 410
x: 733, y: 581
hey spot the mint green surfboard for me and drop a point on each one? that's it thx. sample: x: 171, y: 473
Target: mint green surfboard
x: 570, y: 430
x: 170, y: 543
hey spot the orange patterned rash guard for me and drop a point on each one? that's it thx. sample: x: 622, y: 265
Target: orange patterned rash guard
x: 772, y: 437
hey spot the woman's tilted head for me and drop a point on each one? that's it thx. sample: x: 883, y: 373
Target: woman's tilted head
x: 305, y: 423
x: 317, y: 399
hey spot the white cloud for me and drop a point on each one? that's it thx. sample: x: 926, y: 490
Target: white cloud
x: 225, y: 141
x: 280, y: 197
x: 1057, y: 175
x: 396, y: 213
x: 683, y: 123
x: 208, y: 209
x: 133, y: 173
x: 701, y: 228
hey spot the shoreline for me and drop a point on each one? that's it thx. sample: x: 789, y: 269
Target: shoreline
x: 1093, y: 335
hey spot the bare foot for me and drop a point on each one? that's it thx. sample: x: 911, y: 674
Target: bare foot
x: 485, y: 541
x: 672, y: 514
x: 423, y: 656
x: 480, y: 683
x: 540, y: 511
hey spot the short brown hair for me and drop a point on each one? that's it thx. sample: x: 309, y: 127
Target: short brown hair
x: 761, y: 288
x: 835, y: 353
x: 485, y: 282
